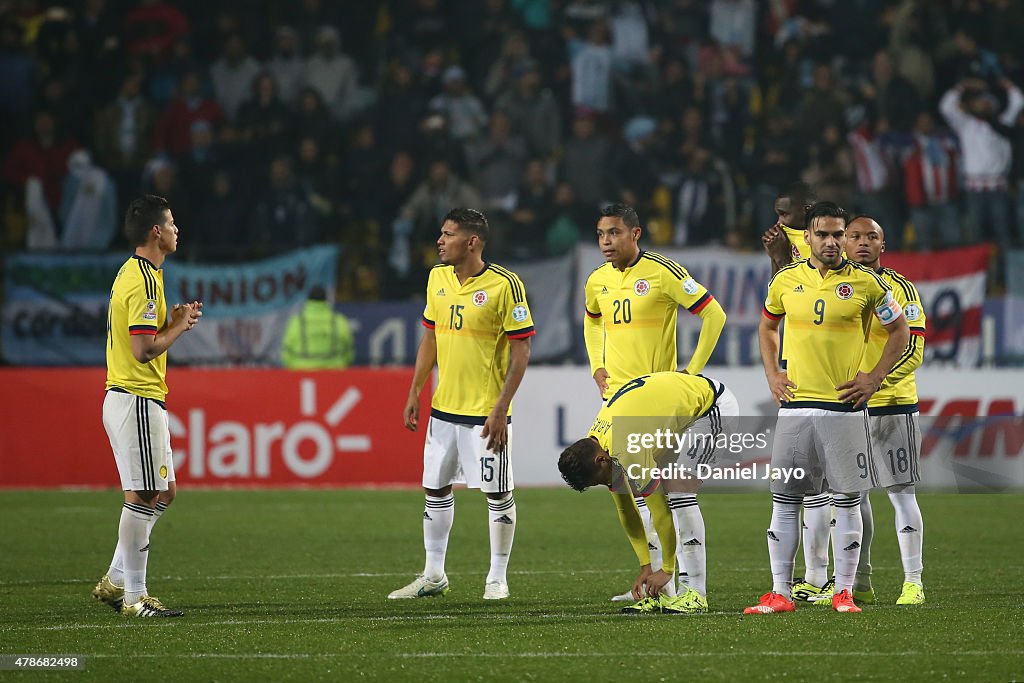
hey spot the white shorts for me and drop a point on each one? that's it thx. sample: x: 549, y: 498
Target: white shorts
x: 721, y: 418
x: 827, y: 445
x: 895, y: 443
x: 140, y: 439
x: 455, y: 454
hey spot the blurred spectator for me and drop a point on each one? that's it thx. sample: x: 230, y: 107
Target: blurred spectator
x: 152, y: 28
x: 394, y: 190
x: 440, y: 192
x: 592, y: 69
x: 496, y: 162
x: 313, y: 119
x: 44, y: 156
x: 534, y: 209
x: 283, y: 218
x: 317, y: 337
x: 364, y: 165
x: 174, y: 128
x: 264, y: 122
x: 532, y: 111
x: 585, y: 165
x: 164, y: 79
x: 733, y: 24
x: 399, y: 108
x: 232, y: 76
x: 890, y: 95
x: 332, y: 73
x: 635, y: 167
x: 514, y: 56
x: 221, y: 216
x: 705, y: 201
x: 123, y: 135
x: 572, y: 221
x: 972, y: 112
x: 930, y: 182
x: 319, y: 180
x: 88, y: 209
x: 775, y: 160
x: 17, y: 74
x: 825, y: 103
x: 876, y: 178
x: 201, y: 162
x: 287, y: 66
x: 830, y: 169
x: 460, y: 107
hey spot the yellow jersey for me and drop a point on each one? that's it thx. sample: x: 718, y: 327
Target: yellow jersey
x: 827, y: 323
x: 662, y: 400
x: 797, y: 244
x: 472, y: 322
x: 901, y: 395
x: 639, y: 307
x: 137, y: 306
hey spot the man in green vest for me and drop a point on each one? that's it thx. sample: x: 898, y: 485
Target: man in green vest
x: 317, y: 337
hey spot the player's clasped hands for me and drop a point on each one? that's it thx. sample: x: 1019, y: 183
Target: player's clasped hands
x: 189, y: 314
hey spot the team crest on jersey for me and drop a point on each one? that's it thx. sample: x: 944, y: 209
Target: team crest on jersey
x: 641, y: 287
x: 844, y: 290
x: 519, y: 314
x: 912, y: 311
x: 690, y: 286
x: 796, y: 253
x: 479, y: 297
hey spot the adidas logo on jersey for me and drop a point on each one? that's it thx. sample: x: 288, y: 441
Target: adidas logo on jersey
x: 908, y: 530
x: 852, y: 546
x: 504, y: 519
x: 440, y: 292
x: 693, y: 541
x: 799, y: 289
x: 772, y: 536
x: 604, y: 290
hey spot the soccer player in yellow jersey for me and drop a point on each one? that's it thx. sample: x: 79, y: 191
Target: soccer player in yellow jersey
x: 478, y: 329
x: 822, y: 433
x: 134, y: 409
x: 893, y: 418
x: 612, y: 454
x: 784, y: 241
x: 629, y: 326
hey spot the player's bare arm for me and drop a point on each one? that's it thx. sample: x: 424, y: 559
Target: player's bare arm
x: 768, y: 341
x: 862, y: 387
x: 426, y: 358
x: 146, y: 347
x: 496, y: 425
x: 601, y: 379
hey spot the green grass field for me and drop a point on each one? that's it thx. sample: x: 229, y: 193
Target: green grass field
x: 291, y: 585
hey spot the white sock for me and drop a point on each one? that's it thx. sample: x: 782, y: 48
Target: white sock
x: 909, y: 532
x: 691, y: 539
x: 653, y: 542
x: 783, y: 537
x: 816, y: 532
x: 134, y: 549
x: 501, y: 513
x: 862, y: 581
x: 848, y: 539
x: 116, y: 571
x: 438, y: 515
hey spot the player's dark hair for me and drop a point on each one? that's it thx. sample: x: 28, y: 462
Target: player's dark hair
x: 868, y: 218
x: 577, y: 465
x: 624, y: 211
x: 826, y: 210
x: 799, y: 193
x: 469, y: 219
x: 143, y: 213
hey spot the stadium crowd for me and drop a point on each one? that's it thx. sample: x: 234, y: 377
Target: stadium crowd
x: 362, y: 123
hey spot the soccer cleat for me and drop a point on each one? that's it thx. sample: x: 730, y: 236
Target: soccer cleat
x: 843, y: 602
x: 149, y: 606
x: 105, y: 591
x: 808, y: 592
x: 912, y: 594
x: 864, y: 597
x: 645, y: 606
x: 495, y: 591
x: 690, y: 602
x: 421, y: 587
x: 772, y: 603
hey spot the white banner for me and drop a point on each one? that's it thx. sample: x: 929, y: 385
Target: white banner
x: 556, y: 406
